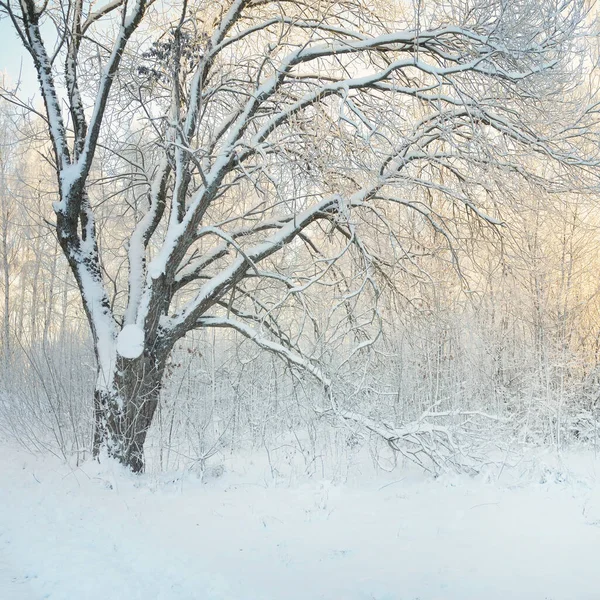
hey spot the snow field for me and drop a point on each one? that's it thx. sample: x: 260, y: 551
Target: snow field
x: 99, y: 533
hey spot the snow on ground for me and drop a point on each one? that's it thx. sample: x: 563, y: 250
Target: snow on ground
x: 12, y: 587
x: 99, y: 533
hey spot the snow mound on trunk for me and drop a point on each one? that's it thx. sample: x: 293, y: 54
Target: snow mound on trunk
x: 130, y: 342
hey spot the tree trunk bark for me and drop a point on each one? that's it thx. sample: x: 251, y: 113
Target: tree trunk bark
x: 123, y: 413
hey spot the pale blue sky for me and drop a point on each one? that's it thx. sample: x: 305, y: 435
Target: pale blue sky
x: 15, y: 60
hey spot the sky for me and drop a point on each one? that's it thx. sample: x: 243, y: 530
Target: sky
x: 16, y: 62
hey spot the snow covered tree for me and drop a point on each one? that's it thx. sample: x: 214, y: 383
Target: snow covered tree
x: 276, y: 143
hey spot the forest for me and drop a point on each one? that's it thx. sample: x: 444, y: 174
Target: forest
x: 321, y: 247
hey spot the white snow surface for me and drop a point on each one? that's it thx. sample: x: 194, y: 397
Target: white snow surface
x: 97, y: 532
x: 13, y: 587
x: 130, y: 341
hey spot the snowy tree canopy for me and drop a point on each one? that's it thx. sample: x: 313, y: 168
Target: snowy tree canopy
x: 263, y: 149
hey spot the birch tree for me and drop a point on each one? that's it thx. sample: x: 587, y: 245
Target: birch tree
x: 279, y: 139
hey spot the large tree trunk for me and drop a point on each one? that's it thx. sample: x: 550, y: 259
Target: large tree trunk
x: 124, y: 410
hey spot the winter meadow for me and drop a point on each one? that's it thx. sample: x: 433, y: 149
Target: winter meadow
x: 299, y: 300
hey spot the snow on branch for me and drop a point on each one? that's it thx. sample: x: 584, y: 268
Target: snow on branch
x: 432, y: 446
